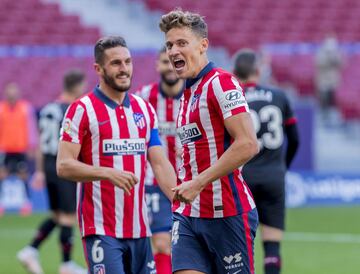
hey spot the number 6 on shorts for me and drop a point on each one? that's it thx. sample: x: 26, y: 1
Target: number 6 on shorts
x: 97, y: 252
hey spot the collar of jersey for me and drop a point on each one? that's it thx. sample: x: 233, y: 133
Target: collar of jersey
x: 178, y: 96
x: 106, y: 100
x: 203, y: 72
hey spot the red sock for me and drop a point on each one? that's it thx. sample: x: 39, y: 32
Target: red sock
x: 163, y: 263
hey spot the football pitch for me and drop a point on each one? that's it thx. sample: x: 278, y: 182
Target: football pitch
x: 318, y: 241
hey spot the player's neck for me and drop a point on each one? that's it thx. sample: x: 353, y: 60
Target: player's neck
x: 202, y: 64
x: 66, y: 98
x: 114, y: 95
x: 172, y: 91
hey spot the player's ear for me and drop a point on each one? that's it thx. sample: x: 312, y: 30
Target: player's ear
x: 204, y: 44
x: 97, y: 68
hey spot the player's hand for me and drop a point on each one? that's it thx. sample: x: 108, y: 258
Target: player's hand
x: 122, y: 179
x: 37, y: 180
x: 187, y: 191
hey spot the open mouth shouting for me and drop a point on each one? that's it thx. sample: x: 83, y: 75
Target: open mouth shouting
x: 179, y: 64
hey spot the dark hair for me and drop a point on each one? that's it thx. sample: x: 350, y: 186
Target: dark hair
x: 245, y: 63
x: 73, y: 78
x: 105, y: 43
x: 178, y: 19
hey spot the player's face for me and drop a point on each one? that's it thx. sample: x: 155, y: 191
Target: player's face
x: 116, y: 71
x: 186, y: 51
x: 166, y: 70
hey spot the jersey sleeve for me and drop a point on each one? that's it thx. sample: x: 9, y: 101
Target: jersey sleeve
x: 154, y: 131
x: 228, y: 95
x: 289, y: 117
x: 74, y: 125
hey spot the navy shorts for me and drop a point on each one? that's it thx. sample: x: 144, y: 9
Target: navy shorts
x: 105, y: 254
x: 220, y: 245
x: 159, y: 208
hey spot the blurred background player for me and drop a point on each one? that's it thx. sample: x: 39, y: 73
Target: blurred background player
x: 61, y: 193
x: 265, y: 173
x: 217, y: 136
x: 18, y: 136
x: 328, y: 64
x: 106, y: 139
x: 165, y: 98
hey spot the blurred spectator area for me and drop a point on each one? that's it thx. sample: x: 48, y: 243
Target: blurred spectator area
x: 31, y: 22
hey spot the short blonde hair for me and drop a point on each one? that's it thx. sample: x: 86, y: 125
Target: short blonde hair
x: 178, y: 19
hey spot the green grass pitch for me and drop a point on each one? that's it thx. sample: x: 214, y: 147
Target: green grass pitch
x: 318, y: 241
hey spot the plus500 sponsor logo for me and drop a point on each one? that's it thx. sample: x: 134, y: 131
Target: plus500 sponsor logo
x: 124, y: 146
x: 189, y: 133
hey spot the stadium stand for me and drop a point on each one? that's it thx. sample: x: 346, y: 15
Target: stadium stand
x: 39, y: 25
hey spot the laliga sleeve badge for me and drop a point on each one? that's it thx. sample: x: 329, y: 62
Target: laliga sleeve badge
x: 67, y: 125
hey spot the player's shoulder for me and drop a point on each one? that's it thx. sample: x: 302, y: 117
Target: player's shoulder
x: 84, y: 100
x: 224, y: 81
x: 137, y: 98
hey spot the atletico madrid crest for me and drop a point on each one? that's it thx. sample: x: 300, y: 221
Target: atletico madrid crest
x: 99, y: 269
x: 139, y: 120
x: 194, y: 102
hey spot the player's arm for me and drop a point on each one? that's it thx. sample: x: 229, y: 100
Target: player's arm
x: 69, y: 167
x: 243, y: 148
x: 291, y: 132
x: 292, y: 135
x: 163, y: 170
x: 38, y: 178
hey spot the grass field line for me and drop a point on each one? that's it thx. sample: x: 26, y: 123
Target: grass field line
x: 312, y: 237
x: 341, y: 238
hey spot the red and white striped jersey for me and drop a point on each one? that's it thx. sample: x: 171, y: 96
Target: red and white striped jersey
x: 167, y: 109
x: 115, y: 136
x: 208, y: 100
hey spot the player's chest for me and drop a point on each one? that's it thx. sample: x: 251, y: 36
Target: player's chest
x: 194, y: 108
x: 193, y: 117
x: 121, y: 132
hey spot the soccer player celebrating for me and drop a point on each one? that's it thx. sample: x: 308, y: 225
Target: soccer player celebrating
x: 215, y: 219
x: 165, y: 98
x: 106, y: 138
x: 265, y: 173
x: 61, y: 193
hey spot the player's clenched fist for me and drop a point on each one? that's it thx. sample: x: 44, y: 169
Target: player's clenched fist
x: 187, y: 191
x: 122, y: 179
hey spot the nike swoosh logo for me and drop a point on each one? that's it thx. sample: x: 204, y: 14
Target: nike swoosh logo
x: 235, y: 272
x: 103, y: 122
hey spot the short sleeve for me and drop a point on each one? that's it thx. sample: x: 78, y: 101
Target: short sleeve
x: 289, y: 117
x: 74, y: 124
x: 229, y: 95
x: 154, y: 131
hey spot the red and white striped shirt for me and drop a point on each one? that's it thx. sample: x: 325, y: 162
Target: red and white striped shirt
x: 208, y: 100
x: 167, y: 109
x: 115, y: 136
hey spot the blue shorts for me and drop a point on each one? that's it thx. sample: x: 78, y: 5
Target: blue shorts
x: 159, y: 208
x: 220, y: 245
x: 105, y: 254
